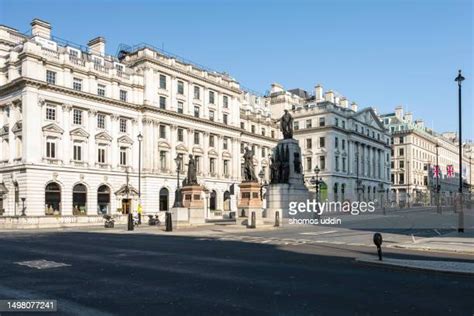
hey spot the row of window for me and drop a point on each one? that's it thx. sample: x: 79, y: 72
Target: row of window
x: 253, y: 130
x: 77, y: 85
x: 77, y: 118
x: 197, y: 91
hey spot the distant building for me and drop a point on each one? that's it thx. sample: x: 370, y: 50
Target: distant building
x: 416, y: 150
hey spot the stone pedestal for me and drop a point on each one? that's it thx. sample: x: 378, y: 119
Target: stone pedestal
x: 192, y: 196
x: 250, y: 203
x: 280, y: 195
x: 180, y: 216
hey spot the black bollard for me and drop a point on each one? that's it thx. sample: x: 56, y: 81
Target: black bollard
x: 277, y: 219
x: 253, y: 223
x: 169, y: 222
x: 130, y: 221
x: 378, y: 242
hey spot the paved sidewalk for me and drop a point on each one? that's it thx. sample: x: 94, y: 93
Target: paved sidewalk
x: 425, y: 265
x: 452, y: 242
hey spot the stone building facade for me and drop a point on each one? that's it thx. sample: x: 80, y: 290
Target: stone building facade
x: 349, y: 146
x: 75, y: 122
x: 416, y: 150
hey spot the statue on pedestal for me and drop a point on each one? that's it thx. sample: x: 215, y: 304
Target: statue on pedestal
x: 286, y: 125
x: 249, y: 172
x: 192, y: 178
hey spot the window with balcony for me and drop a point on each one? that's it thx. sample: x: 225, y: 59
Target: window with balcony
x: 180, y: 107
x: 51, y: 148
x: 77, y: 151
x: 50, y: 77
x: 123, y: 156
x: 77, y: 84
x: 77, y: 117
x: 163, y: 160
x: 225, y: 119
x: 211, y: 115
x: 101, y: 154
x: 226, y: 168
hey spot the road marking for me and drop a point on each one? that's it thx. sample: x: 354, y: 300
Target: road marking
x: 319, y: 233
x: 42, y: 264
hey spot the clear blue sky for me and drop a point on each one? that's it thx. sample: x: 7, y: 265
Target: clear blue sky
x: 380, y: 53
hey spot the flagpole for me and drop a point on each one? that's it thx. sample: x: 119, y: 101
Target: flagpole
x: 438, y: 208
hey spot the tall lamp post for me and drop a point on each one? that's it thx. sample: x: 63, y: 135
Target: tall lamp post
x: 459, y: 79
x: 438, y: 187
x: 178, y: 201
x: 316, y: 181
x: 140, y: 138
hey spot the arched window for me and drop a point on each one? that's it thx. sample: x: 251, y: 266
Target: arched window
x: 226, y: 201
x: 52, y: 199
x: 79, y: 199
x: 164, y: 199
x: 103, y: 200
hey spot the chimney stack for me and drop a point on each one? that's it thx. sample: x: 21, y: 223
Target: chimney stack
x: 318, y: 93
x: 329, y: 96
x: 354, y: 106
x: 399, y: 112
x: 41, y: 28
x: 408, y: 117
x: 97, y: 45
x: 344, y: 102
x: 276, y: 88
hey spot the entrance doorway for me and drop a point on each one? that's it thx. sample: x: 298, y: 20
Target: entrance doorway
x: 212, y: 201
x: 164, y: 199
x: 226, y: 201
x: 126, y: 206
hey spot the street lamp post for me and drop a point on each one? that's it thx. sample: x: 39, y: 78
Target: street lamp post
x: 316, y: 181
x: 438, y: 188
x: 459, y: 79
x: 140, y: 138
x: 178, y: 200
x: 381, y: 191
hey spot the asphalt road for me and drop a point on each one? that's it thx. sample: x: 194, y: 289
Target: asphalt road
x: 138, y: 274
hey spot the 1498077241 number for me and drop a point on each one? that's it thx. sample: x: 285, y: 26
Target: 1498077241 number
x: 28, y: 305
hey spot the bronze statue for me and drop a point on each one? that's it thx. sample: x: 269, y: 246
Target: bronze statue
x: 192, y: 178
x: 286, y: 125
x: 249, y: 172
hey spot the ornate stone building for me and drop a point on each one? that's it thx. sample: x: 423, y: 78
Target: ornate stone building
x: 349, y: 146
x: 416, y: 149
x: 75, y: 122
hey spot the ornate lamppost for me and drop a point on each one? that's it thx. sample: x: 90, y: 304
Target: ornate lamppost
x: 459, y: 79
x: 263, y: 183
x: 140, y: 138
x: 316, y: 181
